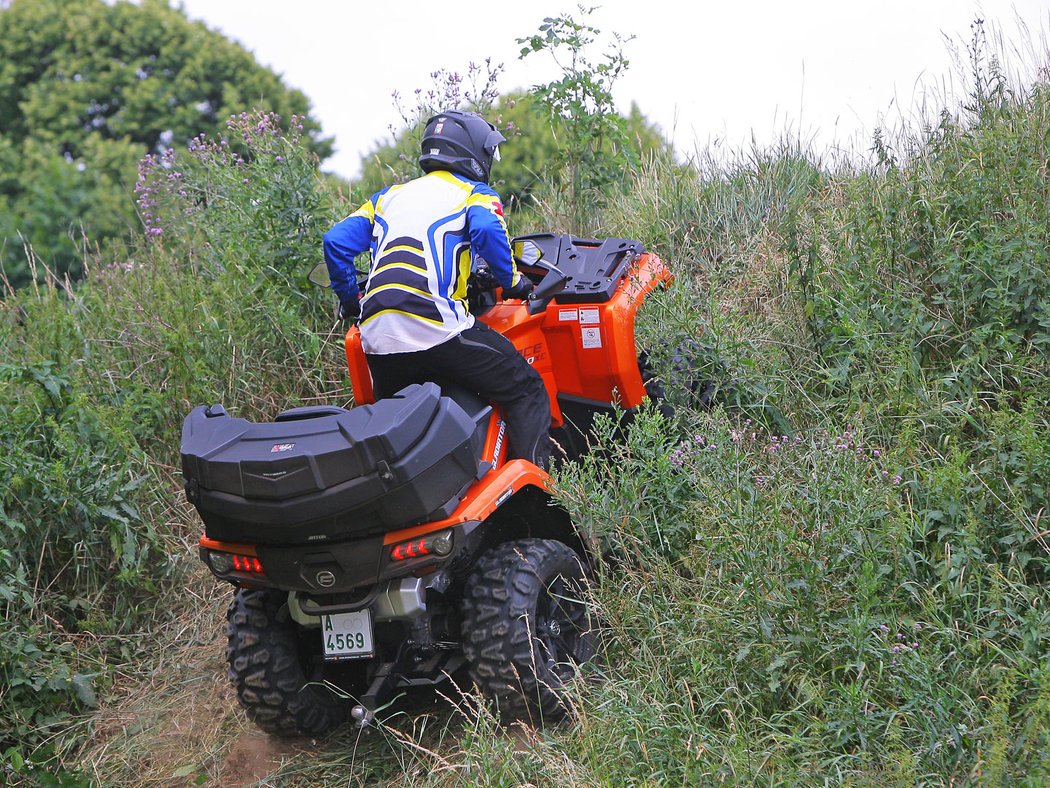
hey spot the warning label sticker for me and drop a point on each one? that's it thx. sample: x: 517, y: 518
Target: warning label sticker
x: 592, y: 337
x: 566, y: 315
x: 589, y: 315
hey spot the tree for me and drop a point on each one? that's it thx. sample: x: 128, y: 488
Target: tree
x: 86, y: 89
x: 533, y: 156
x: 597, y: 149
x: 565, y: 135
x: 530, y: 145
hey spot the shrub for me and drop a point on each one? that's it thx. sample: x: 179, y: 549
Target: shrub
x: 210, y: 307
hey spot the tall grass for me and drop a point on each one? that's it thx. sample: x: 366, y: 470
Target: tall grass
x: 97, y: 377
x: 837, y: 574
x: 864, y: 599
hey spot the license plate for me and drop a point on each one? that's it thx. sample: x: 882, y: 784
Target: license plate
x: 347, y: 635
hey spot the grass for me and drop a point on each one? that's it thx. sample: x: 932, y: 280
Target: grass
x: 837, y: 574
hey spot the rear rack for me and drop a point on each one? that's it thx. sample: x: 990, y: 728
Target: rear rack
x: 595, y: 267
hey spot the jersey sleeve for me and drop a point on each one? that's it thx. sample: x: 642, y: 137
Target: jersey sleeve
x: 488, y: 234
x: 344, y: 242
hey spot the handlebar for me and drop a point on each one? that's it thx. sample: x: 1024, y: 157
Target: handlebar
x: 552, y: 283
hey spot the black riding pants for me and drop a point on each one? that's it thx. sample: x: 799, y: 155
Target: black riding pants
x: 486, y: 362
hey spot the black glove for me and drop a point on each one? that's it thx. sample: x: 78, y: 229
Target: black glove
x: 520, y: 290
x: 350, y: 309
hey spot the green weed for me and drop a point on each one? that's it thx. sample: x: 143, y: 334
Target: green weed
x: 836, y: 573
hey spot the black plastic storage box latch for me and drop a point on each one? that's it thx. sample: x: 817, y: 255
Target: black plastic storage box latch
x: 384, y: 471
x: 193, y: 491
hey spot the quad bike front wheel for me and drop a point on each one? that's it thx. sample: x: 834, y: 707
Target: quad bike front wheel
x: 527, y: 628
x: 269, y: 666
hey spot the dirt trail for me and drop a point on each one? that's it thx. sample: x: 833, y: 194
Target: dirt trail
x: 253, y: 756
x: 173, y: 719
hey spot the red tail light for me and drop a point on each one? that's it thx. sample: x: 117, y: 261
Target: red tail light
x: 413, y: 549
x: 247, y: 563
x: 223, y: 563
x: 436, y: 544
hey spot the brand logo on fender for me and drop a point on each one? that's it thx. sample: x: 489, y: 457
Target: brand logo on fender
x: 533, y: 353
x: 498, y: 450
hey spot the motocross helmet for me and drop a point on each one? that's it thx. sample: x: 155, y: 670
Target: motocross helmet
x: 460, y: 142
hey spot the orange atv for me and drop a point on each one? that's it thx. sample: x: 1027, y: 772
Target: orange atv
x: 387, y: 546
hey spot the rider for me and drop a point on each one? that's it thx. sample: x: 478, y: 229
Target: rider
x: 414, y: 320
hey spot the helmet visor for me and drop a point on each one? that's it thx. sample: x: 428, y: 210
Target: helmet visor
x: 492, y: 142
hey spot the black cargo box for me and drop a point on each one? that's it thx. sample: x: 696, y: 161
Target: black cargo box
x: 319, y: 474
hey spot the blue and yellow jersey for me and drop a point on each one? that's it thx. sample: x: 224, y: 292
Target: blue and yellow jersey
x: 420, y: 234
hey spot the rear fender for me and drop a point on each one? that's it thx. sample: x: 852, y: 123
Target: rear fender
x: 532, y: 513
x: 509, y: 504
x: 484, y: 498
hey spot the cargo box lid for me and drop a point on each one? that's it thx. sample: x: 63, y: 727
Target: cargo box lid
x: 285, y: 458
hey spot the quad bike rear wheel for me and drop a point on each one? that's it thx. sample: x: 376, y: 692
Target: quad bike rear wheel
x: 269, y: 666
x: 527, y: 628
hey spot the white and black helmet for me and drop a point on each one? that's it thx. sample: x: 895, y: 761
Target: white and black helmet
x: 460, y: 142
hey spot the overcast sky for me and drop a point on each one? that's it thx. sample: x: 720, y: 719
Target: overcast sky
x: 706, y: 73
